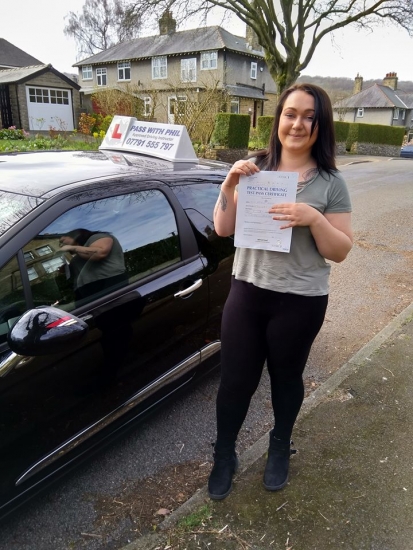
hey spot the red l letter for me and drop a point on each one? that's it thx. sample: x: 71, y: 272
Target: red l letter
x: 115, y: 133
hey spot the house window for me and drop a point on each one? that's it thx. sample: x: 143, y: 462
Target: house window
x: 50, y: 266
x: 235, y: 106
x: 28, y: 256
x: 32, y: 273
x: 147, y: 106
x: 254, y: 67
x: 87, y: 73
x: 39, y: 95
x: 403, y: 113
x: 209, y: 60
x: 396, y: 113
x: 59, y: 97
x: 360, y: 112
x: 101, y: 77
x: 188, y: 70
x: 159, y: 67
x: 44, y: 250
x: 124, y: 70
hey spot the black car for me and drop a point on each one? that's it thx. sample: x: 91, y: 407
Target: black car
x: 407, y: 151
x: 77, y: 367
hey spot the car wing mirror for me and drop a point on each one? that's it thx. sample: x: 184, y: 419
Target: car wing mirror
x: 46, y: 330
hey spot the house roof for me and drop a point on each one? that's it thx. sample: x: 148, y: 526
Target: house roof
x: 245, y: 91
x: 379, y: 97
x: 22, y: 74
x: 12, y: 56
x: 177, y: 43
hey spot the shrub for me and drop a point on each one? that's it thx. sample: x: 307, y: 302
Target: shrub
x: 231, y: 131
x: 264, y: 127
x: 13, y: 133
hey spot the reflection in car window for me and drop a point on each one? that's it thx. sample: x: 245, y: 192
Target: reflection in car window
x: 14, y: 207
x: 198, y: 200
x: 12, y: 303
x: 101, y: 246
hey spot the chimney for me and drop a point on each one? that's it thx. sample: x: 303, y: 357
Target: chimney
x: 358, y: 84
x: 391, y: 80
x: 167, y: 24
x: 252, y: 39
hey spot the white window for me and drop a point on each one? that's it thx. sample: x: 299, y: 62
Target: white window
x: 209, y: 60
x: 159, y: 67
x: 254, y: 67
x: 50, y: 266
x: 396, y: 113
x: 44, y: 250
x: 124, y: 70
x: 188, y: 70
x: 403, y: 113
x: 39, y: 95
x: 28, y: 256
x: 147, y: 106
x: 59, y: 97
x: 32, y: 273
x: 101, y: 77
x: 360, y: 112
x: 235, y: 106
x: 87, y: 73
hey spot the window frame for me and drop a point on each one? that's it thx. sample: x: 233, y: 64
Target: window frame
x: 360, y: 112
x: 101, y: 75
x: 254, y: 70
x: 159, y: 63
x: 209, y: 58
x: 396, y: 113
x: 234, y: 102
x: 87, y: 69
x: 123, y: 68
x: 187, y: 65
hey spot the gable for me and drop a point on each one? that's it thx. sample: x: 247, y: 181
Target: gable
x: 12, y: 56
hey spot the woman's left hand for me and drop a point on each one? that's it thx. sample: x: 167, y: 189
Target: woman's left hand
x: 294, y: 214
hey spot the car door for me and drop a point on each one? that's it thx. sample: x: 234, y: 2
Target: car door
x: 146, y: 328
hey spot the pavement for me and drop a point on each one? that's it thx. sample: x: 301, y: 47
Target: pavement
x: 351, y: 481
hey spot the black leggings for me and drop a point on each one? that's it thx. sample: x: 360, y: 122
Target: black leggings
x: 261, y: 325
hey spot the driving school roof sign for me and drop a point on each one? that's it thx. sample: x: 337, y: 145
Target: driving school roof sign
x: 166, y: 141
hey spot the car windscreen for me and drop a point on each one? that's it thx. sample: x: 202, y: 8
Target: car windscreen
x: 14, y: 207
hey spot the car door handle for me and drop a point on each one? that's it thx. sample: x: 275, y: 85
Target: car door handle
x: 189, y: 290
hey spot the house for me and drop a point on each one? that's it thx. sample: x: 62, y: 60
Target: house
x: 171, y: 71
x: 35, y: 96
x: 378, y: 104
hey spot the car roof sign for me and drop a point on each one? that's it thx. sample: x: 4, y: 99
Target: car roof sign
x: 165, y: 141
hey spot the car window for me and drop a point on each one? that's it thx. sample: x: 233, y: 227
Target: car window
x: 101, y: 246
x: 198, y: 201
x: 12, y: 302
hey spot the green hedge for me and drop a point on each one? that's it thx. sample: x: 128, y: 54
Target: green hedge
x: 264, y: 127
x: 374, y: 133
x: 231, y: 131
x: 341, y: 130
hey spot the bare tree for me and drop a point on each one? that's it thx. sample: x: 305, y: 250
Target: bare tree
x: 289, y: 31
x: 102, y: 24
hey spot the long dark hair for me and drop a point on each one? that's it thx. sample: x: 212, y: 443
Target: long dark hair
x: 80, y: 235
x: 324, y: 149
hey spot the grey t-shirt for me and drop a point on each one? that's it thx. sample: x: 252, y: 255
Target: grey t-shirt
x: 303, y: 270
x: 113, y: 264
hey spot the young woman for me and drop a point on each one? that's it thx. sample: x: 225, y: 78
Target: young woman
x: 277, y: 301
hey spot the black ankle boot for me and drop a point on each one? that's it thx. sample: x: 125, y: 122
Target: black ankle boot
x: 220, y: 479
x: 276, y: 469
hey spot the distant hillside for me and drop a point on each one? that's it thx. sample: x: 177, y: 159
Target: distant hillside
x: 343, y: 86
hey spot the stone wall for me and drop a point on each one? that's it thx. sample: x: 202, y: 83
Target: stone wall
x: 225, y: 155
x: 373, y: 149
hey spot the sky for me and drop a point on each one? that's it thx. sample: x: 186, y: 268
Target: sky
x: 37, y: 28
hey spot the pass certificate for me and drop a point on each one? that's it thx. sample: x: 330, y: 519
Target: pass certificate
x: 254, y: 227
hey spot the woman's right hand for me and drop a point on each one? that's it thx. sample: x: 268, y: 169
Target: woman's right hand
x: 239, y: 168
